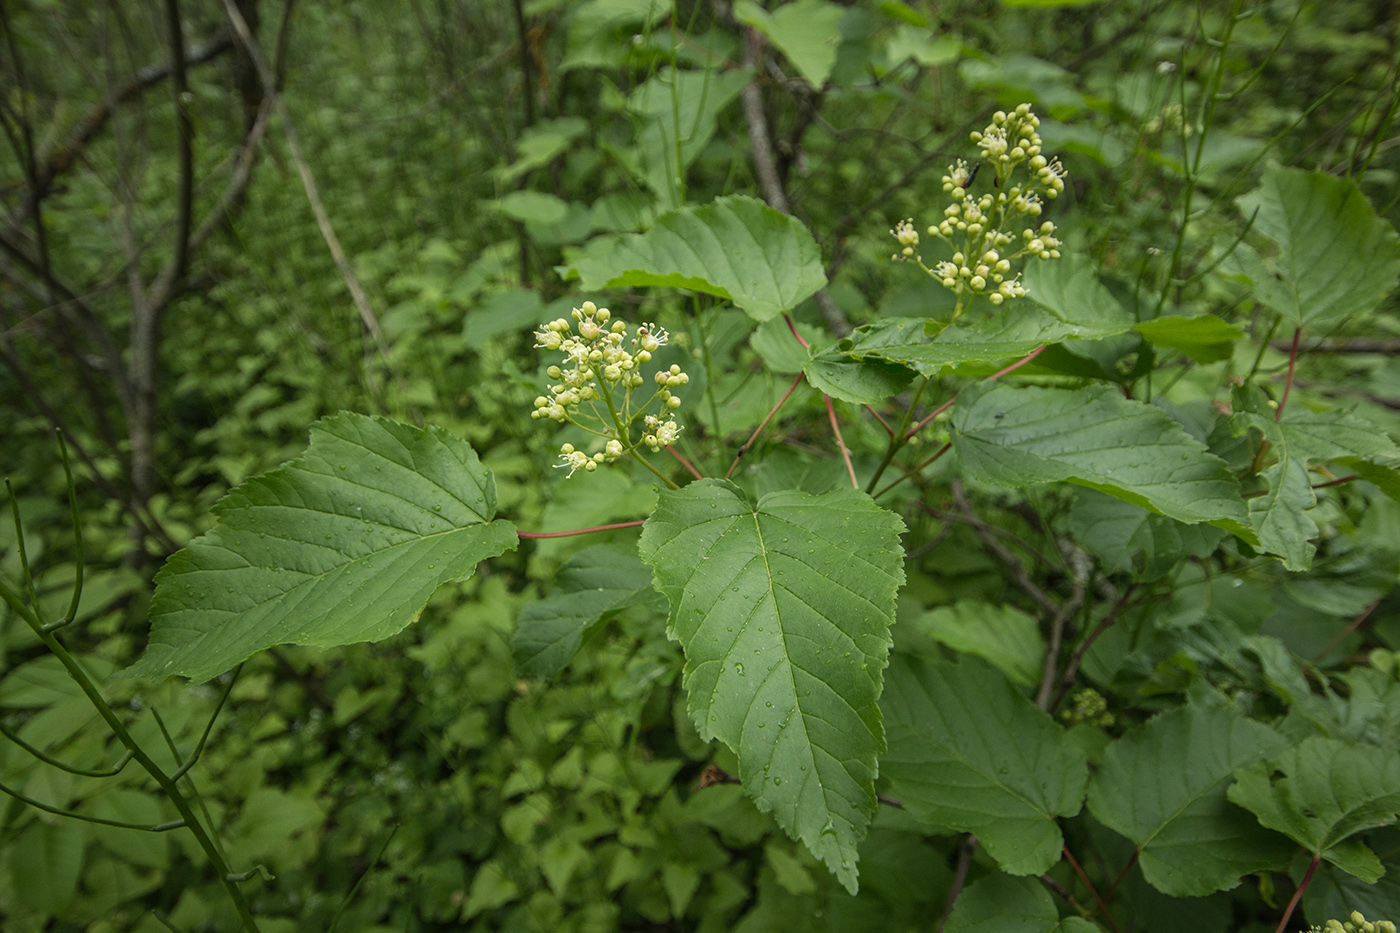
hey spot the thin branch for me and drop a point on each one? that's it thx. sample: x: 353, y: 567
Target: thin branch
x: 684, y: 462
x: 179, y: 261
x: 1352, y: 626
x: 308, y: 181
x: 761, y: 425
x: 1298, y: 894
x: 1057, y: 634
x: 1288, y: 386
x: 578, y: 531
x: 1012, y: 563
x: 841, y: 442
x: 1067, y: 679
x: 1092, y: 890
x: 1345, y: 345
x: 965, y: 851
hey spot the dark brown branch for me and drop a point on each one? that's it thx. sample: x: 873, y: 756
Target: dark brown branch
x: 308, y: 181
x: 965, y: 851
x: 65, y: 155
x: 1057, y: 634
x: 1067, y: 679
x: 179, y: 261
x: 1344, y: 345
x: 999, y: 550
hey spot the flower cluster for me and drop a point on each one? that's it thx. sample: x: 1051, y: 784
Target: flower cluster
x: 977, y: 226
x: 595, y: 386
x: 1357, y: 924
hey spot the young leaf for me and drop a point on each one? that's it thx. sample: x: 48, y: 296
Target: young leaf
x: 344, y: 544
x: 1162, y: 785
x: 1003, y: 635
x: 594, y: 583
x: 783, y: 610
x: 968, y: 751
x: 1000, y: 904
x: 735, y: 247
x: 1280, y: 513
x: 1323, y: 792
x: 1344, y: 438
x: 1017, y: 436
x: 1071, y: 291
x: 1204, y: 338
x: 1332, y: 255
x: 805, y: 31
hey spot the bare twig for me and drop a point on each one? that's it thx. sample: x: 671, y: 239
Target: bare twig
x: 965, y: 851
x: 1067, y: 679
x: 999, y: 550
x: 308, y: 180
x: 1057, y: 634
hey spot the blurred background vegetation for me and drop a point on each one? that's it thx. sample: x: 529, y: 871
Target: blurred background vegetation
x: 169, y: 300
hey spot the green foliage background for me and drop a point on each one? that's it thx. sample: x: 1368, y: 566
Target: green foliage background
x: 457, y: 776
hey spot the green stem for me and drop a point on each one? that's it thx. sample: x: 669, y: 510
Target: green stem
x: 118, y: 728
x: 709, y: 369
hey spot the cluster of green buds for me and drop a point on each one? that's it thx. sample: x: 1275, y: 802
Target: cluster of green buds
x: 1087, y: 707
x: 979, y: 227
x: 1357, y: 924
x: 602, y: 359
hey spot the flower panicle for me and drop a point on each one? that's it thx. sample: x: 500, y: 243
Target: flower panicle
x: 977, y: 226
x: 602, y: 359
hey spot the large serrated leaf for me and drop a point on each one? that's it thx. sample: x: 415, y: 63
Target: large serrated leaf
x: 969, y: 752
x: 1163, y: 785
x: 1018, y: 436
x: 1333, y: 257
x: 783, y: 609
x: 736, y: 248
x: 344, y: 544
x: 594, y: 583
x: 1320, y: 794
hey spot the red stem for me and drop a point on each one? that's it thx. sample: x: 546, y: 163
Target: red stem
x: 992, y: 378
x: 918, y: 469
x: 1124, y: 874
x: 1337, y: 482
x: 1090, y: 885
x: 882, y: 421
x: 1019, y: 363
x: 1298, y: 894
x: 1292, y: 360
x: 578, y: 531
x: 845, y: 453
x: 761, y: 425
x: 684, y: 462
x: 793, y: 327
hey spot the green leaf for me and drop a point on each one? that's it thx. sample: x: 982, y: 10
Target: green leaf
x: 344, y: 544
x: 1332, y: 256
x: 681, y: 111
x: 1280, y: 512
x: 1070, y: 290
x: 1335, y: 894
x: 1129, y: 539
x: 46, y: 861
x: 1001, y: 904
x: 1204, y: 338
x: 864, y: 382
x: 1003, y: 635
x: 805, y: 31
x: 1163, y: 786
x: 596, y: 582
x: 783, y: 610
x: 969, y: 752
x: 541, y: 144
x: 1347, y: 439
x: 503, y: 312
x: 736, y: 248
x: 530, y: 207
x: 1017, y: 436
x: 1320, y: 794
